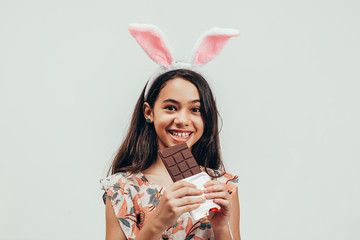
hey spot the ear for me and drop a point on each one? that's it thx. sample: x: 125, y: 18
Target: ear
x: 210, y: 44
x: 148, y: 112
x: 153, y: 42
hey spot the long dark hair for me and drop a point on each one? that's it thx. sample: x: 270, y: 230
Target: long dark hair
x: 139, y: 149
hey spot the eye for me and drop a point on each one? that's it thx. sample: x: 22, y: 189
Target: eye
x: 170, y: 107
x: 196, y: 109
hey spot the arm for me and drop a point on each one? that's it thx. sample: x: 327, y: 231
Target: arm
x: 234, y: 222
x: 113, y: 229
x: 235, y: 217
x: 226, y: 222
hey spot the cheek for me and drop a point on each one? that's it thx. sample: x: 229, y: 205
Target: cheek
x: 199, y: 123
x: 161, y: 121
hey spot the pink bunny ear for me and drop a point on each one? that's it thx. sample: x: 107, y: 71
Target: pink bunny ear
x: 153, y: 41
x: 210, y: 44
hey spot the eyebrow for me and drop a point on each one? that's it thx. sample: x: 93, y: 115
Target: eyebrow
x: 177, y: 102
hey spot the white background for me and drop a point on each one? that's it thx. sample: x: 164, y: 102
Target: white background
x: 287, y: 90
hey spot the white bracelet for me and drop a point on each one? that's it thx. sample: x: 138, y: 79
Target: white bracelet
x: 230, y: 230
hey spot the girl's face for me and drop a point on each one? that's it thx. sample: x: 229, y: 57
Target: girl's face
x: 176, y: 114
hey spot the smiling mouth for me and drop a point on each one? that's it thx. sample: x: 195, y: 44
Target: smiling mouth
x: 180, y: 134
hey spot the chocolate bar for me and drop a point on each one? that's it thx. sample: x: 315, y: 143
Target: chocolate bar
x: 179, y: 161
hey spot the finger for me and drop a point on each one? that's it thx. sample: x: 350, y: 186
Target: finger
x: 180, y: 184
x: 214, y: 188
x: 189, y: 201
x: 211, y: 182
x: 225, y: 204
x: 211, y: 214
x: 222, y: 195
x: 188, y: 208
x: 186, y: 191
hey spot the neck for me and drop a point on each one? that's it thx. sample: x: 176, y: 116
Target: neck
x: 158, y: 174
x: 156, y: 168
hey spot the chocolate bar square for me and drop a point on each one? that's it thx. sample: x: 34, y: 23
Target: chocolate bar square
x: 170, y: 161
x: 178, y: 157
x: 186, y: 153
x: 183, y: 166
x: 179, y: 161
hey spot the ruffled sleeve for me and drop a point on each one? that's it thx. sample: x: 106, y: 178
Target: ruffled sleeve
x: 118, y: 189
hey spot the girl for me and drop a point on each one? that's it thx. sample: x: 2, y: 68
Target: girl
x: 142, y: 202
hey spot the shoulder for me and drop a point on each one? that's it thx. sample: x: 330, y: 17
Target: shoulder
x: 121, y: 195
x: 122, y: 184
x: 120, y: 180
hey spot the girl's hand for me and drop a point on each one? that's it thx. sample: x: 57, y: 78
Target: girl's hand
x: 217, y: 191
x: 174, y: 202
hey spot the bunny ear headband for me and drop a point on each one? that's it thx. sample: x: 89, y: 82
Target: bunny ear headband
x: 154, y: 43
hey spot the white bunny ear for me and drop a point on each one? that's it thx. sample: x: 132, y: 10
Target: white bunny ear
x: 210, y: 44
x: 153, y: 41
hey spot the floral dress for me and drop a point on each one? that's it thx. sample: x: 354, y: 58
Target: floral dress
x: 134, y: 199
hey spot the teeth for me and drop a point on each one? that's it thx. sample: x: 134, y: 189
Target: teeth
x: 180, y: 134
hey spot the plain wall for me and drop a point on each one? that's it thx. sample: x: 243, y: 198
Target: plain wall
x: 287, y: 90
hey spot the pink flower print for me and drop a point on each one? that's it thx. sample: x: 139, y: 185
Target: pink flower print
x: 142, y: 181
x: 154, y: 196
x: 120, y: 186
x: 204, y: 223
x: 177, y: 226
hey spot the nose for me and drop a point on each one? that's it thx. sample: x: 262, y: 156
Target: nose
x: 182, y: 118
